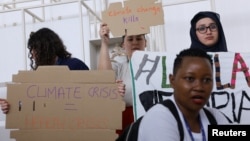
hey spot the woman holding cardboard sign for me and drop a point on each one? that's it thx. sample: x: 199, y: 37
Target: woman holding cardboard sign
x: 130, y: 44
x: 47, y: 48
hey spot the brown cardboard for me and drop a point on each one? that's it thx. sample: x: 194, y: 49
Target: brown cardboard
x: 135, y: 16
x: 65, y: 135
x: 54, y: 99
x: 61, y: 74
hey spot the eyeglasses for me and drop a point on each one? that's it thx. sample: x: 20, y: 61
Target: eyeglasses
x: 203, y: 29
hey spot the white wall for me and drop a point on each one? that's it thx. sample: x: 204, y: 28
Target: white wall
x: 236, y: 20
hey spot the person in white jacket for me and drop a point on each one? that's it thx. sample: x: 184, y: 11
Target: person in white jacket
x: 192, y: 83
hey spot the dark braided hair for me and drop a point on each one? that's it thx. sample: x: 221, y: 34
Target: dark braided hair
x: 44, y: 46
x: 191, y: 52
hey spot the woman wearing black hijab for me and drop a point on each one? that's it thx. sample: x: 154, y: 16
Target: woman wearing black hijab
x: 207, y: 33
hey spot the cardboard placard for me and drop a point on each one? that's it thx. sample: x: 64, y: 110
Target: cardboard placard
x: 62, y: 74
x: 55, y: 100
x: 64, y: 135
x: 135, y: 16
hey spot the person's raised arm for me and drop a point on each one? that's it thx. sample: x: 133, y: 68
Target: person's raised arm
x: 104, y: 58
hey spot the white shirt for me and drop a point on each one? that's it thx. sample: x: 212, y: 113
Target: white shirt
x: 158, y: 124
x: 122, y: 71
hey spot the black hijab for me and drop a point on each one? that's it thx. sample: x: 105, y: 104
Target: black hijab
x: 220, y: 46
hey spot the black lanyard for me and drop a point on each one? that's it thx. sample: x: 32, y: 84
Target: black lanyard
x: 190, y: 131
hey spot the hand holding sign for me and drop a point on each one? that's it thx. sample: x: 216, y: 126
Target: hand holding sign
x: 136, y: 17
